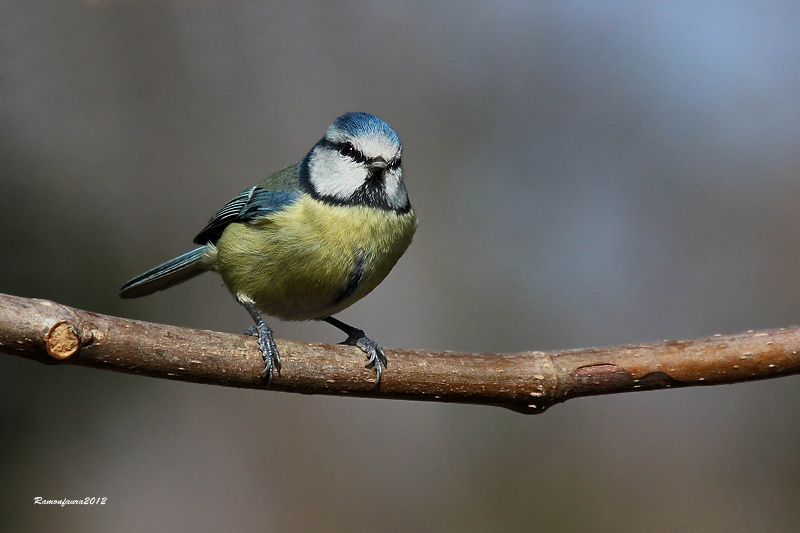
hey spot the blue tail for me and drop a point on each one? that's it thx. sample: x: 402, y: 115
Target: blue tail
x: 164, y: 276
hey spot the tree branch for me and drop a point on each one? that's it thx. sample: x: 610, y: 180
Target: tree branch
x: 527, y: 382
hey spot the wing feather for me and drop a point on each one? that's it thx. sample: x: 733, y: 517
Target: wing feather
x: 253, y: 204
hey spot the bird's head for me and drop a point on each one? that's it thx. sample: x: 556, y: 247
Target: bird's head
x: 357, y: 162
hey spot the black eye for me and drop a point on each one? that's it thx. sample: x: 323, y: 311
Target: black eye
x: 347, y: 149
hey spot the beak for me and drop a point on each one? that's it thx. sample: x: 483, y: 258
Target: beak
x: 377, y: 163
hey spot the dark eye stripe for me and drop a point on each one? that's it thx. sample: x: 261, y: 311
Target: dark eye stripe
x: 348, y: 150
x: 353, y: 153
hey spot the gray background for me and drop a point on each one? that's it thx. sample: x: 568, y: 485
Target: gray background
x: 585, y: 173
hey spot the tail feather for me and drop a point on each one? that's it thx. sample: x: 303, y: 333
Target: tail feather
x: 164, y: 276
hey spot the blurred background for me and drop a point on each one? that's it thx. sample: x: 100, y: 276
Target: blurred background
x: 585, y: 174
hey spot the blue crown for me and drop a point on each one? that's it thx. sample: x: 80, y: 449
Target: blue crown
x: 363, y: 123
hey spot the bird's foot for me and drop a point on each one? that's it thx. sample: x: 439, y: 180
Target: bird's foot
x: 375, y: 355
x: 269, y: 350
x: 356, y: 337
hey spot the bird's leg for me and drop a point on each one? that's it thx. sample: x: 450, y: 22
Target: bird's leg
x: 269, y: 350
x: 356, y: 337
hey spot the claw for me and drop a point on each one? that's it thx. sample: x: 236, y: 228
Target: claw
x: 269, y: 350
x: 356, y: 337
x: 375, y: 355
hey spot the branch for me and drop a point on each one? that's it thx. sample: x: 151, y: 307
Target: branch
x: 527, y: 382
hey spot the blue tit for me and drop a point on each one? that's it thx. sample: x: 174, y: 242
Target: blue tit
x: 311, y: 239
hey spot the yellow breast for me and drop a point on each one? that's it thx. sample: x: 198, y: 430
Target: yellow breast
x: 311, y: 260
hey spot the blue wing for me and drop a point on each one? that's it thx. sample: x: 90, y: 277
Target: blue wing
x: 252, y: 204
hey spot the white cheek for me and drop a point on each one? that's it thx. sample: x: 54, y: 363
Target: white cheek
x: 336, y: 176
x: 395, y: 190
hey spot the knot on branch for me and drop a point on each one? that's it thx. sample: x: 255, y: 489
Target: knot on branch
x: 62, y: 340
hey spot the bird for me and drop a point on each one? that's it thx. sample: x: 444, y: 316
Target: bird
x: 310, y: 240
